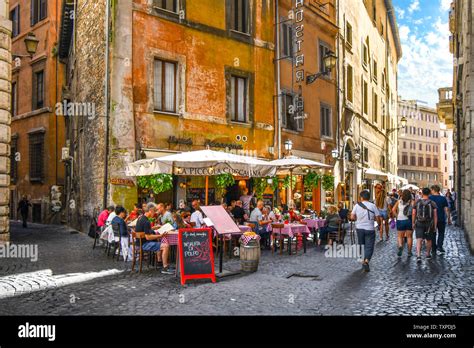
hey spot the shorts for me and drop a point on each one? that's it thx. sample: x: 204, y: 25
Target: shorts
x: 424, y: 231
x: 383, y: 214
x: 404, y: 225
x: 151, y: 246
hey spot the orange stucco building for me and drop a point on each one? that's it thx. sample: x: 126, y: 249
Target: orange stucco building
x: 307, y: 34
x: 37, y: 133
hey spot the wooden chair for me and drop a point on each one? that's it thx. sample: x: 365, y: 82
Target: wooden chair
x: 335, y: 235
x: 275, y: 227
x: 137, y: 249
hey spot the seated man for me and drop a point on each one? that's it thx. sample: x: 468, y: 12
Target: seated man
x: 257, y: 218
x: 332, y: 223
x: 197, y: 216
x: 239, y: 213
x: 151, y: 242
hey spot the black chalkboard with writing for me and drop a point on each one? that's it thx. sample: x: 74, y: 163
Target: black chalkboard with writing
x: 196, y: 258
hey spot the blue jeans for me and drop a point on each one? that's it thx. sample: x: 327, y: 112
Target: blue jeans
x: 367, y: 239
x: 441, y: 231
x: 323, y: 231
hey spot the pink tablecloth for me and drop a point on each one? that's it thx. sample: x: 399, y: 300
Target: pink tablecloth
x: 315, y: 223
x: 170, y: 239
x: 291, y: 229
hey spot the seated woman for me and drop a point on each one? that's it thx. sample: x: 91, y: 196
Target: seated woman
x: 178, y: 222
x: 332, y: 223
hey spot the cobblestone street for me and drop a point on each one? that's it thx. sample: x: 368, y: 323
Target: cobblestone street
x: 70, y: 278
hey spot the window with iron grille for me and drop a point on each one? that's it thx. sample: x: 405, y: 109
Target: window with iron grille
x: 15, y: 18
x: 240, y: 16
x: 13, y: 162
x: 168, y: 5
x: 238, y: 101
x: 165, y: 85
x: 36, y: 156
x: 287, y: 40
x: 38, y: 89
x: 38, y: 11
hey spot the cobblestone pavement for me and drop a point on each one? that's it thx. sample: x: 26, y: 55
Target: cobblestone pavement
x: 70, y: 278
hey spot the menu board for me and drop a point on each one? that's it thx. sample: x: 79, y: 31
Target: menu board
x: 196, y: 257
x: 268, y: 199
x: 199, y: 193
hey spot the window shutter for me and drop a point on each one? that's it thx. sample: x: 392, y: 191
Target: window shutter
x: 32, y: 12
x: 284, y: 111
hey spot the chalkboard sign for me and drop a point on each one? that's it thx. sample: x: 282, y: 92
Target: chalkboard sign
x: 268, y: 199
x: 196, y: 257
x: 200, y: 194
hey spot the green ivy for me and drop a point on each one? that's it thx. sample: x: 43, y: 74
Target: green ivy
x: 311, y: 180
x: 274, y: 184
x: 286, y: 181
x: 157, y: 182
x: 224, y: 180
x: 328, y: 182
x: 259, y: 185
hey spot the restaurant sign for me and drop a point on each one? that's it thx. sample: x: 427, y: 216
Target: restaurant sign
x: 298, y: 17
x: 209, y: 171
x: 122, y: 182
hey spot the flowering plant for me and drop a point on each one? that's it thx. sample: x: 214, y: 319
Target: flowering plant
x: 276, y: 211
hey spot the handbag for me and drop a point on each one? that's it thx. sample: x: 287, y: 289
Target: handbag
x: 93, y: 229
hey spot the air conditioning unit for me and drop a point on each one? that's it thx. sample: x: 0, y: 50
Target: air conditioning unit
x: 64, y: 154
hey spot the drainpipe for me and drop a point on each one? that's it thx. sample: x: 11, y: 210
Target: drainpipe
x: 278, y: 84
x: 338, y: 99
x: 107, y: 102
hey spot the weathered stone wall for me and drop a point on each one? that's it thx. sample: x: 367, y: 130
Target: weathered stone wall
x: 5, y: 118
x: 87, y: 136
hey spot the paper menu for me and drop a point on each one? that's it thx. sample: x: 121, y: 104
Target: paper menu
x: 165, y: 228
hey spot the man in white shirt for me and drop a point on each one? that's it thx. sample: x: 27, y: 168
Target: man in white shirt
x: 364, y: 214
x: 197, y: 217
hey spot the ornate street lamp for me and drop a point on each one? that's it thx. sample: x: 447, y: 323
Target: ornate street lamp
x: 403, y: 123
x: 31, y: 44
x: 329, y: 62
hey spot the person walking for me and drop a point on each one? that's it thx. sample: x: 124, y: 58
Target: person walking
x: 364, y: 214
x: 403, y: 211
x: 23, y: 208
x: 443, y: 215
x: 382, y: 202
x: 424, y: 220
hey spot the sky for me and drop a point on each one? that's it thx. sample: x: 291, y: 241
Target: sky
x: 426, y: 64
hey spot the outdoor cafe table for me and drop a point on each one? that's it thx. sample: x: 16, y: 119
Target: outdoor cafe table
x: 315, y: 223
x: 291, y: 230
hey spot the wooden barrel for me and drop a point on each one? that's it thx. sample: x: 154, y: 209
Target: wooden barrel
x: 250, y: 256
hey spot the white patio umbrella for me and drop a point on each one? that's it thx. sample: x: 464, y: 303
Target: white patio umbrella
x: 409, y: 187
x: 202, y: 163
x: 295, y: 165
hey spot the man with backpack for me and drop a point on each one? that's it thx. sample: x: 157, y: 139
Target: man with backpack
x: 364, y: 214
x: 443, y: 212
x: 425, y: 219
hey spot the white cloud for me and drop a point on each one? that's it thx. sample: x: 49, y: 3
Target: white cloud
x: 400, y: 12
x: 403, y: 31
x: 414, y: 6
x: 426, y: 64
x: 445, y: 5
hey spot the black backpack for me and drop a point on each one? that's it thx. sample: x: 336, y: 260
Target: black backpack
x: 407, y: 210
x: 424, y: 211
